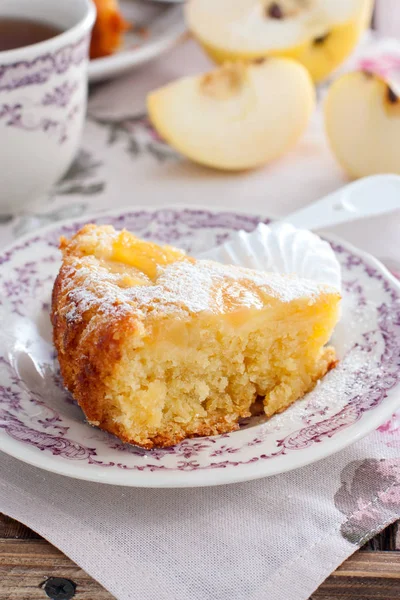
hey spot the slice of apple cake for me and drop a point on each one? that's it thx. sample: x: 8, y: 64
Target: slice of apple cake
x: 156, y: 346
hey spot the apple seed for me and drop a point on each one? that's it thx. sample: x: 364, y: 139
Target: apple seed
x: 275, y: 11
x: 391, y: 95
x: 320, y: 39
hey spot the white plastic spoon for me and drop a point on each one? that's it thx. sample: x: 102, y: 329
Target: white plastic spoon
x: 368, y: 197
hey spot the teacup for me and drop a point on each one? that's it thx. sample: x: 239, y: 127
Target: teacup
x: 43, y: 99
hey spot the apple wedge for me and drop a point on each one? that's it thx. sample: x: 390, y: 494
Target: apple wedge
x: 238, y: 116
x: 362, y: 121
x: 318, y: 33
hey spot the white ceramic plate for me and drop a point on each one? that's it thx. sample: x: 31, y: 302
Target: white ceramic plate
x: 41, y: 425
x: 163, y: 25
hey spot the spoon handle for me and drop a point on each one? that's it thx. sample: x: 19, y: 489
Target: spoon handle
x: 367, y: 197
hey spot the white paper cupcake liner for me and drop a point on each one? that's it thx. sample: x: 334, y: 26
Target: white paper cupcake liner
x: 281, y: 248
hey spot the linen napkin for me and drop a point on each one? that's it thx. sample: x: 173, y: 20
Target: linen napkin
x: 272, y: 539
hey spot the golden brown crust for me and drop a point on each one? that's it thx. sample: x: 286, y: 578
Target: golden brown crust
x: 167, y: 438
x: 85, y: 359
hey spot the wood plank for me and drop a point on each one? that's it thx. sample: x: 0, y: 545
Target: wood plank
x: 27, y: 561
x: 26, y: 565
x: 11, y: 529
x: 388, y: 539
x: 364, y: 576
x: 357, y: 589
x: 371, y: 564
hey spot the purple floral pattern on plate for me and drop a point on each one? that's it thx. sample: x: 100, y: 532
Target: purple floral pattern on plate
x: 37, y: 412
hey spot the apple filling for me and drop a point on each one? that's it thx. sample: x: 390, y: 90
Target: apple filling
x: 144, y: 256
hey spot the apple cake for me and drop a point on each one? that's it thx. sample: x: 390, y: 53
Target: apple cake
x: 157, y: 346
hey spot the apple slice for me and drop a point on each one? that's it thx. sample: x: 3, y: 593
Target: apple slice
x: 318, y: 33
x: 238, y: 116
x: 362, y: 121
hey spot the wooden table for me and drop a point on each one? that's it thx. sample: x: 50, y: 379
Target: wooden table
x: 32, y: 569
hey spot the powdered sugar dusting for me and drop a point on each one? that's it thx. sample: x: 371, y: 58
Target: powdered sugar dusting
x: 183, y: 287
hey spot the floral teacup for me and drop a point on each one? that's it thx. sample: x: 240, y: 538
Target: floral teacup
x: 43, y: 97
